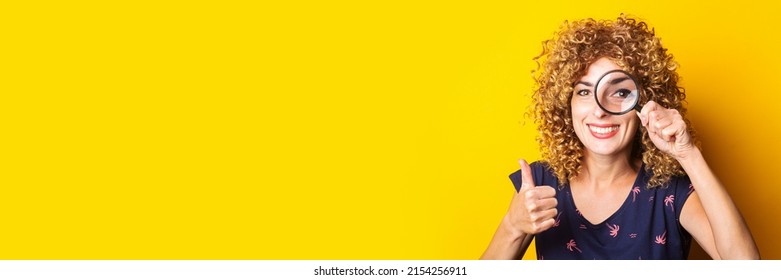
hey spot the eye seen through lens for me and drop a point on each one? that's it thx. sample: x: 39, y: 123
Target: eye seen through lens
x: 617, y: 92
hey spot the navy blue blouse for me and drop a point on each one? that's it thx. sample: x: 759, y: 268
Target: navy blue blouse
x: 645, y: 227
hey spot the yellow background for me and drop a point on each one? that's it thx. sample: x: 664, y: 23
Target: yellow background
x: 325, y: 130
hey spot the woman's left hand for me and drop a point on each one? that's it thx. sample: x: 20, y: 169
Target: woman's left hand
x: 667, y: 129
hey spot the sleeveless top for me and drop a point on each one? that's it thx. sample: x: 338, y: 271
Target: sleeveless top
x: 645, y: 227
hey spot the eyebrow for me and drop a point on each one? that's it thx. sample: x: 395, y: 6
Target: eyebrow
x: 612, y: 82
x: 616, y: 81
x: 585, y: 83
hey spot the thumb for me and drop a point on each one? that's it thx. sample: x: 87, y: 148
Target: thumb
x: 647, y: 109
x: 526, y: 175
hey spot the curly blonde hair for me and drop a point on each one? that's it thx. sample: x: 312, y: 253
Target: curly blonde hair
x: 630, y: 44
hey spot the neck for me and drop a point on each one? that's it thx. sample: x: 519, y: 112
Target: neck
x: 607, y: 171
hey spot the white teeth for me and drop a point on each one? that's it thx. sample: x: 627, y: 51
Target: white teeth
x: 603, y: 130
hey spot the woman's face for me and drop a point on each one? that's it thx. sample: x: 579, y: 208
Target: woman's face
x: 601, y: 133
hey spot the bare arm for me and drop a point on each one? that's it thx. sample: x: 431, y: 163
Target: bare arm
x: 713, y: 209
x: 507, y: 244
x: 694, y: 220
x: 709, y: 215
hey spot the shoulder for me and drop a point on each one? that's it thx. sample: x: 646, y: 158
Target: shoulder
x: 675, y: 184
x: 675, y: 192
x: 680, y: 186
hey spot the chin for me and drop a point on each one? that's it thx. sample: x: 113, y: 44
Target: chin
x: 602, y: 152
x: 604, y: 149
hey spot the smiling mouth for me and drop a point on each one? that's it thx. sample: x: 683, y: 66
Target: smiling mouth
x: 602, y: 130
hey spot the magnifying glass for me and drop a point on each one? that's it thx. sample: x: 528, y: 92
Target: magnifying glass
x: 617, y: 92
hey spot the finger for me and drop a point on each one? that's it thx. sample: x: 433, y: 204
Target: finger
x: 673, y: 131
x: 647, y: 109
x: 545, y: 192
x: 543, y: 215
x: 655, y: 137
x: 544, y: 225
x: 662, y: 121
x: 658, y: 120
x: 547, y: 203
x: 534, y: 204
x: 526, y: 175
x: 667, y: 134
x: 650, y: 119
x: 682, y: 137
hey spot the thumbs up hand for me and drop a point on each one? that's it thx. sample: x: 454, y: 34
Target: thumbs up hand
x: 533, y: 208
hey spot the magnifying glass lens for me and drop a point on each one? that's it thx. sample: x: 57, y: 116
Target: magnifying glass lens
x: 617, y: 93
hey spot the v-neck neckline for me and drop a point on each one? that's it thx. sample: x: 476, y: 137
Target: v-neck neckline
x: 617, y: 213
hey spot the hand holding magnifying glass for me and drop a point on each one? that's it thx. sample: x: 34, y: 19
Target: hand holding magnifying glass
x: 618, y: 93
x: 667, y: 130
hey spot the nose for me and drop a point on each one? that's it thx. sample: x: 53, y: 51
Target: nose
x: 598, y: 112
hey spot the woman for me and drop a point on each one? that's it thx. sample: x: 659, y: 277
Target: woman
x: 628, y: 186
